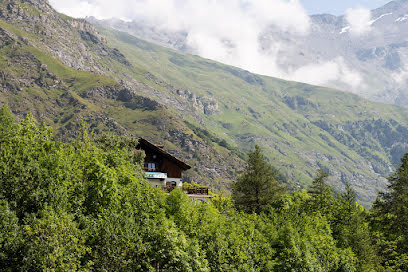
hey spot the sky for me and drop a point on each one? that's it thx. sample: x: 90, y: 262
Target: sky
x: 229, y: 31
x: 339, y: 7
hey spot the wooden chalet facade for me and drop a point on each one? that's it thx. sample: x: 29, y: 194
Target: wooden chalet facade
x: 165, y: 171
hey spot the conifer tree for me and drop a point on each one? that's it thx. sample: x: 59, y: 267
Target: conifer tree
x: 390, y: 219
x: 258, y: 187
x: 347, y: 206
x: 395, y: 199
x: 351, y: 230
x: 322, y: 193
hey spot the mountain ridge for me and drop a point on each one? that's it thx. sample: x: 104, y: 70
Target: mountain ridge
x: 373, y: 63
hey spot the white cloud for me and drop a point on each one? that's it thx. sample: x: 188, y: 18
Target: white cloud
x: 359, y: 20
x: 401, y: 76
x: 327, y: 73
x: 229, y: 31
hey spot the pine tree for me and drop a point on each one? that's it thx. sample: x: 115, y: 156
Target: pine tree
x: 390, y: 219
x: 258, y: 187
x: 349, y: 203
x: 395, y: 200
x: 322, y: 193
x: 351, y: 230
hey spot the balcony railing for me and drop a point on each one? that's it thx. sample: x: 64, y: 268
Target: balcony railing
x: 189, y: 191
x: 197, y: 191
x: 155, y: 175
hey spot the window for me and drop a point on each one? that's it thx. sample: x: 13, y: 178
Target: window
x: 151, y: 166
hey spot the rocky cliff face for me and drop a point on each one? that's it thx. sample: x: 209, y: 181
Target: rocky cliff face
x: 74, y: 42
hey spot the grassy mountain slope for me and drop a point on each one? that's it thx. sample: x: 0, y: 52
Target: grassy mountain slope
x: 202, y: 111
x: 301, y: 127
x: 60, y: 69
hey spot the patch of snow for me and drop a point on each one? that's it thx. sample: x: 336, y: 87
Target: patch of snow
x: 345, y: 29
x: 375, y: 20
x: 402, y: 19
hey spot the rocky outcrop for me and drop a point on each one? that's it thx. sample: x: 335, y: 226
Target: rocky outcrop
x: 298, y: 101
x: 72, y: 41
x: 206, y: 105
x: 30, y: 71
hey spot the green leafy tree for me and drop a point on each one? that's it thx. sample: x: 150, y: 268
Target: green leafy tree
x: 10, y: 238
x: 303, y: 241
x: 85, y: 205
x: 33, y: 169
x: 53, y: 242
x: 258, y: 187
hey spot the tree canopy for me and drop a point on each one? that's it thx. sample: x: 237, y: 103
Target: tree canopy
x: 85, y: 206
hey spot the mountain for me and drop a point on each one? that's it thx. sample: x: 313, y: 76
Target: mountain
x: 62, y: 70
x: 65, y: 70
x: 371, y: 61
x: 301, y: 127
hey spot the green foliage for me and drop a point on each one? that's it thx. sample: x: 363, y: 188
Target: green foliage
x: 390, y: 219
x: 53, y: 242
x: 258, y: 187
x: 10, y: 237
x: 84, y: 206
x: 33, y: 169
x: 8, y: 129
x: 351, y: 230
x: 348, y: 221
x: 322, y: 194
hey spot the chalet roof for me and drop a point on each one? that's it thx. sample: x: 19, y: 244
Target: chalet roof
x: 161, y: 151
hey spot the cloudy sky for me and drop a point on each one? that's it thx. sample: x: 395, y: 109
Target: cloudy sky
x: 339, y: 7
x: 336, y: 7
x: 229, y: 31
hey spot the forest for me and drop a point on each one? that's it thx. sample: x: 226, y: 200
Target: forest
x: 84, y: 205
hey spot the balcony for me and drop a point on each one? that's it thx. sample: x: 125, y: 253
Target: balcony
x: 190, y: 191
x: 197, y: 191
x: 155, y: 175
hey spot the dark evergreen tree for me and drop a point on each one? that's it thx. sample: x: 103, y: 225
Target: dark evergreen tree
x: 322, y: 194
x: 390, y: 219
x: 258, y: 187
x: 351, y: 230
x: 349, y: 201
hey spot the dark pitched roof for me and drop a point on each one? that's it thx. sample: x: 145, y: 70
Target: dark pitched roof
x: 161, y: 151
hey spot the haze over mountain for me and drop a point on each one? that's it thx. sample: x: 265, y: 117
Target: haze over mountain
x: 364, y: 52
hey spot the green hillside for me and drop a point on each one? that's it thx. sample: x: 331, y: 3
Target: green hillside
x: 204, y: 112
x: 34, y: 76
x: 300, y: 127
